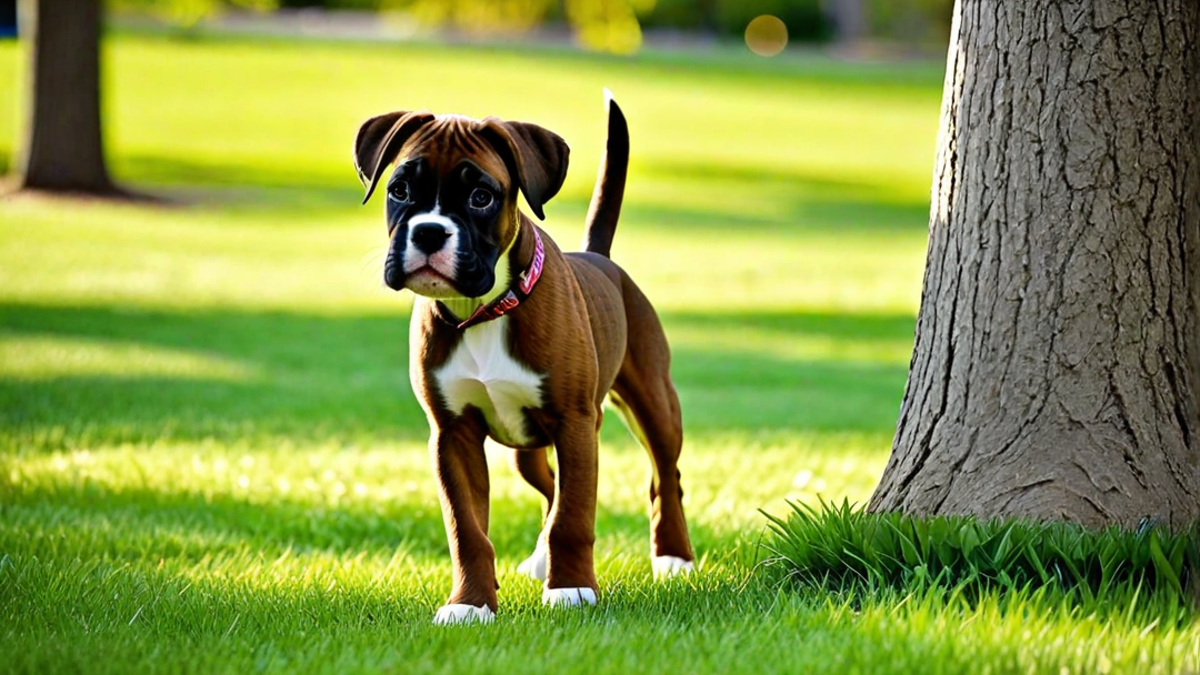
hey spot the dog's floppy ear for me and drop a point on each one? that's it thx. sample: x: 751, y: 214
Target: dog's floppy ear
x: 379, y: 140
x: 539, y: 156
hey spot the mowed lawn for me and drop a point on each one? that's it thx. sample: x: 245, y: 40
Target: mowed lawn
x: 211, y: 459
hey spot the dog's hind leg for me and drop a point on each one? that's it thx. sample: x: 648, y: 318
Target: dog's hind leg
x: 646, y: 399
x: 534, y: 467
x: 651, y: 411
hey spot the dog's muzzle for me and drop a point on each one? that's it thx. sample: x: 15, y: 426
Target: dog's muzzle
x: 425, y: 259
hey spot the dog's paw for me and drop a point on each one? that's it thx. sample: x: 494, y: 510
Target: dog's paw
x: 535, y: 565
x: 667, y: 566
x: 568, y: 597
x: 450, y: 614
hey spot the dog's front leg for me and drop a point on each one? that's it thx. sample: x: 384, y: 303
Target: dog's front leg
x: 462, y: 473
x: 571, y: 527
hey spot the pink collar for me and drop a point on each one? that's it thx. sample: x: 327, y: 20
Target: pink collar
x: 517, y: 293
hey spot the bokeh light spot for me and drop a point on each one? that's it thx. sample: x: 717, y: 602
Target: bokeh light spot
x: 766, y: 35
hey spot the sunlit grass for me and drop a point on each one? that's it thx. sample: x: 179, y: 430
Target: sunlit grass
x: 210, y: 459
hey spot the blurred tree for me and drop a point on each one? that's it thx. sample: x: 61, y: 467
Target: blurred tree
x: 1057, y: 354
x: 849, y: 19
x: 187, y: 15
x: 806, y: 20
x: 920, y: 23
x: 478, y: 16
x: 62, y: 148
x: 8, y: 18
x: 608, y: 25
x: 601, y: 25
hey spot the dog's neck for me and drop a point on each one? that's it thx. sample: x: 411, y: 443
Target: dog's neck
x: 517, y: 256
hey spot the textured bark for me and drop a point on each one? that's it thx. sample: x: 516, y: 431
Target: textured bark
x: 63, y: 147
x: 1056, y: 361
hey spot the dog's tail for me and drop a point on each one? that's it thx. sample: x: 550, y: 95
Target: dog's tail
x: 610, y: 184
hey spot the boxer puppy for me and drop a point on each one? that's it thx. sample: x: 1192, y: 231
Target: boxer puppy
x: 515, y: 340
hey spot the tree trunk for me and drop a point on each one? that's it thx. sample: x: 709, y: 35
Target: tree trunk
x: 849, y: 18
x: 1057, y: 355
x: 63, y: 147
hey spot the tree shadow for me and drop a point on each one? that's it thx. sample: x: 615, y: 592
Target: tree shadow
x: 129, y: 523
x: 312, y: 378
x: 747, y: 385
x: 343, y: 379
x: 217, y: 185
x: 874, y: 328
x: 118, y: 523
x: 804, y: 202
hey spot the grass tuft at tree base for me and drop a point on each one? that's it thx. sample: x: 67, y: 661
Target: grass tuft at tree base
x: 845, y: 547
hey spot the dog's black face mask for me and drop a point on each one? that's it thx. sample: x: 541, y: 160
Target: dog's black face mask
x: 444, y: 230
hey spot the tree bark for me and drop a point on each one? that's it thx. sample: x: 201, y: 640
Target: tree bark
x: 1057, y: 351
x: 63, y: 149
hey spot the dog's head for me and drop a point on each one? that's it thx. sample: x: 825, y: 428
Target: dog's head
x: 452, y: 197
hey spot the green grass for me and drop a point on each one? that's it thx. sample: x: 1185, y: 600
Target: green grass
x: 841, y: 547
x: 211, y: 461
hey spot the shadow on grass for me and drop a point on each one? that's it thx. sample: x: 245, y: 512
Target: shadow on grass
x: 743, y: 387
x: 123, y: 523
x: 216, y: 185
x: 313, y: 378
x: 86, y: 519
x: 806, y: 203
x: 343, y: 379
x: 882, y: 330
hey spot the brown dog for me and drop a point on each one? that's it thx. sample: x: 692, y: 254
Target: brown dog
x: 513, y: 339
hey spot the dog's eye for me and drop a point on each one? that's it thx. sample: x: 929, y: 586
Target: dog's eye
x: 398, y: 190
x: 481, y: 199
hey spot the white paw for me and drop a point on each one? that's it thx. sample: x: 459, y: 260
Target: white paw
x: 448, y: 614
x: 568, y: 597
x: 535, y: 565
x: 667, y: 566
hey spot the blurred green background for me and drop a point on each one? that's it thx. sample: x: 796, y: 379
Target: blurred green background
x: 615, y: 25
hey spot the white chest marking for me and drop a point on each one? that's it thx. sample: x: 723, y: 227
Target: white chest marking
x: 483, y: 374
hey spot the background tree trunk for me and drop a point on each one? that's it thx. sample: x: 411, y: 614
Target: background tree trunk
x: 1056, y: 360
x: 63, y: 147
x: 849, y: 18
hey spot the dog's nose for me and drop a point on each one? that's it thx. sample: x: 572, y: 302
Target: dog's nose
x: 428, y: 238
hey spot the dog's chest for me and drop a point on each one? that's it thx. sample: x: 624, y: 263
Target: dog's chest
x: 482, y: 373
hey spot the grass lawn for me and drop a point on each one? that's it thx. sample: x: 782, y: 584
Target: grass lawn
x: 211, y: 460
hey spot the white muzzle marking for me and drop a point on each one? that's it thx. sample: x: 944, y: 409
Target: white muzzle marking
x: 444, y: 261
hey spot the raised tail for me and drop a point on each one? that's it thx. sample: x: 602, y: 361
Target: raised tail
x: 605, y: 209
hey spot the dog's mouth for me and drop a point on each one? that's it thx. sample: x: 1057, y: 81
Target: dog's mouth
x: 427, y: 271
x: 430, y: 283
x: 433, y: 276
x: 420, y: 276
